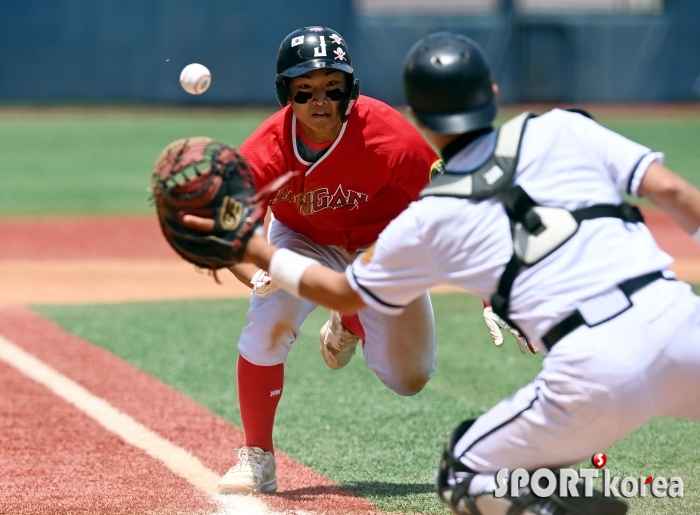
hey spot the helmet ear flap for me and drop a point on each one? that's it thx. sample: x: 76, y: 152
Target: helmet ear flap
x: 350, y: 100
x: 282, y: 90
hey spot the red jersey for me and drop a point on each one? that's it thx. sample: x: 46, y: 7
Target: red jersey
x: 376, y: 166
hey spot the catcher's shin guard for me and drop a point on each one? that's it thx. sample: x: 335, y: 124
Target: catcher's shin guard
x: 458, y: 499
x: 527, y: 503
x: 453, y: 477
x: 452, y: 487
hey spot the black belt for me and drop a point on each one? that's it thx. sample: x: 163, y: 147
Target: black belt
x: 576, y: 320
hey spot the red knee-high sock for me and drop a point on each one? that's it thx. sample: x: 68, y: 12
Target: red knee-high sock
x: 259, y: 392
x: 352, y: 324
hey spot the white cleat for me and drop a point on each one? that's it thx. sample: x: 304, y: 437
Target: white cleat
x: 337, y: 343
x: 253, y: 474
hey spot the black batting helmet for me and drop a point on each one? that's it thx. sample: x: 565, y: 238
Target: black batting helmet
x: 313, y: 48
x: 447, y: 82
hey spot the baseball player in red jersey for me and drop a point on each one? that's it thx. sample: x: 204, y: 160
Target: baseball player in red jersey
x: 358, y: 164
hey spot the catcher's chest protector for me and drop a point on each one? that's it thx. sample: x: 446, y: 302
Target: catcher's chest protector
x: 537, y: 230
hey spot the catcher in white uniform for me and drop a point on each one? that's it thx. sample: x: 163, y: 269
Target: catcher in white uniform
x: 532, y: 218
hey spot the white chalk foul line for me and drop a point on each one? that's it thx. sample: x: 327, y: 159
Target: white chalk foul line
x: 177, y: 459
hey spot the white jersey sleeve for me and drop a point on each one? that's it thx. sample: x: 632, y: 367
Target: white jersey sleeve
x: 625, y: 160
x: 396, y: 269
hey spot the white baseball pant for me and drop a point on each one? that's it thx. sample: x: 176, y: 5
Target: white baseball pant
x: 596, y: 386
x: 399, y: 349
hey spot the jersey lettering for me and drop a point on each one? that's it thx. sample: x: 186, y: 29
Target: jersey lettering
x: 320, y: 51
x: 320, y: 199
x: 355, y: 198
x: 303, y: 203
x: 339, y: 199
x: 314, y: 201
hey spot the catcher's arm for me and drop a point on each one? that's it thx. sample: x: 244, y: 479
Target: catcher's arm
x: 674, y: 195
x: 318, y: 283
x: 298, y: 275
x: 247, y: 273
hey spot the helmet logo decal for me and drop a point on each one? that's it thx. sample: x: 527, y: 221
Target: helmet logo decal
x: 336, y: 39
x: 320, y: 51
x: 339, y: 54
x: 299, y: 40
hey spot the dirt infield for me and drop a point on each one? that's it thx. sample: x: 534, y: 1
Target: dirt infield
x: 127, y: 259
x: 57, y: 459
x: 98, y: 260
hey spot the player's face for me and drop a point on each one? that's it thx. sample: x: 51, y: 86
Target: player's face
x: 316, y: 98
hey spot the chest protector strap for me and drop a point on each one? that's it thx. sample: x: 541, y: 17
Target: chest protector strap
x: 537, y: 230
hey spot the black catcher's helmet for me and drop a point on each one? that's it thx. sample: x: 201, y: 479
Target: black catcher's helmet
x: 447, y: 82
x: 313, y: 48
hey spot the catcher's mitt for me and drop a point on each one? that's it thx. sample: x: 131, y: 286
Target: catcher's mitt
x: 209, y: 179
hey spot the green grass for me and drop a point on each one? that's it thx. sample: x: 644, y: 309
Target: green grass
x: 677, y: 139
x: 97, y: 161
x: 346, y: 424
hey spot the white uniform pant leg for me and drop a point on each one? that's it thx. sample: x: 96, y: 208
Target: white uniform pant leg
x: 597, y: 385
x: 274, y: 321
x: 273, y: 326
x: 401, y: 349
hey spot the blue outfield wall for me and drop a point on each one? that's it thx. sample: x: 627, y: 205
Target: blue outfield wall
x: 132, y: 51
x: 541, y: 59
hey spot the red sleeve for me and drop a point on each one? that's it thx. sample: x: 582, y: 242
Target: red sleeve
x: 407, y: 153
x: 263, y: 152
x: 414, y: 166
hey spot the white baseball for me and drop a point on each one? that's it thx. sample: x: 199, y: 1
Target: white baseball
x: 195, y: 78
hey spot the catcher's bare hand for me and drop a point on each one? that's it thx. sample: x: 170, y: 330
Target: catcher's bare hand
x: 496, y: 323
